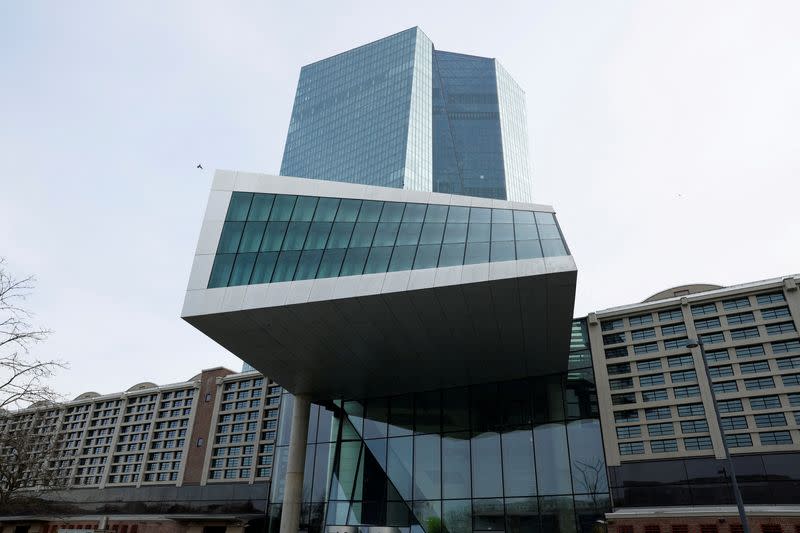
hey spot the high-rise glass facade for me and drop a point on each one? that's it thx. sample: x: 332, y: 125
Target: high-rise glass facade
x: 398, y: 113
x: 518, y: 456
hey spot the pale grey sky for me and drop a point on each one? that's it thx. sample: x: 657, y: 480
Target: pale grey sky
x: 666, y: 134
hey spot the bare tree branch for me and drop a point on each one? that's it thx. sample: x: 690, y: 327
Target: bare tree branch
x: 30, y: 443
x: 22, y: 378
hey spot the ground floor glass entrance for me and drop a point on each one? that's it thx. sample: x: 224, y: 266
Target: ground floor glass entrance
x: 519, y: 456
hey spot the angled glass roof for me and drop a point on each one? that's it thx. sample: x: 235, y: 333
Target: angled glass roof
x: 268, y: 238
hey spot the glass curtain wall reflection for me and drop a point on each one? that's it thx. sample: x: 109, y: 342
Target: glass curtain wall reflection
x: 516, y: 456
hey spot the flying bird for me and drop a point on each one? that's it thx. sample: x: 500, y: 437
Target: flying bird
x: 200, y: 166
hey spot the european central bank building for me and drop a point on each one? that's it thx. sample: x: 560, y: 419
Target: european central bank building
x: 416, y: 306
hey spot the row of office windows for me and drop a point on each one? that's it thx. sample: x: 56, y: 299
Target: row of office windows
x: 704, y: 309
x: 743, y: 440
x: 714, y: 354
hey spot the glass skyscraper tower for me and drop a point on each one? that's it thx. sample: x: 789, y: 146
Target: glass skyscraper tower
x: 399, y: 113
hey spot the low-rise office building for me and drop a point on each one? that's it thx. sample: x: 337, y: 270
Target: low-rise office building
x: 663, y: 445
x: 192, y: 454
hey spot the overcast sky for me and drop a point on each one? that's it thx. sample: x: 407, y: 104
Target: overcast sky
x: 666, y: 135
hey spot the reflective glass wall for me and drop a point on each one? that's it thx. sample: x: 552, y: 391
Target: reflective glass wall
x: 515, y: 456
x: 268, y: 238
x: 467, y: 146
x: 351, y: 118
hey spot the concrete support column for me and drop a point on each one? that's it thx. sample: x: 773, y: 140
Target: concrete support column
x: 293, y: 491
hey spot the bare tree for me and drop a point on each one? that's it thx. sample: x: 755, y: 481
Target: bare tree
x: 29, y: 435
x: 22, y: 377
x: 31, y: 458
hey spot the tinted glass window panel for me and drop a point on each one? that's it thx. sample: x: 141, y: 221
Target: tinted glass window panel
x: 265, y: 265
x: 370, y: 211
x: 317, y: 235
x: 282, y: 208
x: 340, y: 235
x: 478, y: 232
x: 409, y: 233
x: 378, y: 260
x: 456, y: 466
x: 544, y: 218
x: 586, y: 456
x: 399, y: 465
x: 242, y: 268
x: 502, y: 251
x: 326, y: 210
x: 524, y: 217
x: 451, y: 255
x: 549, y: 232
x: 284, y: 269
x: 295, y: 236
x: 230, y: 237
x: 552, y: 459
x: 454, y: 233
x: 386, y: 234
x: 348, y: 211
x: 221, y: 271
x: 522, y: 515
x: 480, y: 215
x: 436, y: 213
x: 476, y: 252
x: 526, y: 232
x: 304, y: 208
x: 251, y: 238
x: 308, y: 264
x: 427, y: 256
x: 519, y: 476
x: 330, y: 264
x: 273, y: 239
x: 402, y: 258
x: 487, y: 514
x: 363, y: 234
x: 239, y: 206
x: 432, y: 233
x: 414, y: 213
x: 392, y: 212
x: 486, y: 466
x: 553, y: 248
x: 502, y: 216
x: 427, y: 469
x: 502, y: 232
x: 354, y: 261
x: 528, y: 250
x: 458, y: 214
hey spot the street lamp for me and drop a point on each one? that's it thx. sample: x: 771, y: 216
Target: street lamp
x: 695, y: 343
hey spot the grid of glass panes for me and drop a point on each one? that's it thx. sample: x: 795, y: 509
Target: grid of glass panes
x: 40, y: 428
x: 169, y: 443
x: 96, y: 445
x: 269, y: 430
x: 469, y: 147
x: 352, y: 113
x: 649, y: 366
x: 271, y: 238
x: 737, y: 364
x: 73, y: 427
x: 236, y: 429
x: 134, y: 431
x: 514, y: 456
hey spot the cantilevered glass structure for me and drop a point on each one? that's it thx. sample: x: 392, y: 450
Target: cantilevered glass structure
x: 429, y: 283
x: 399, y: 113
